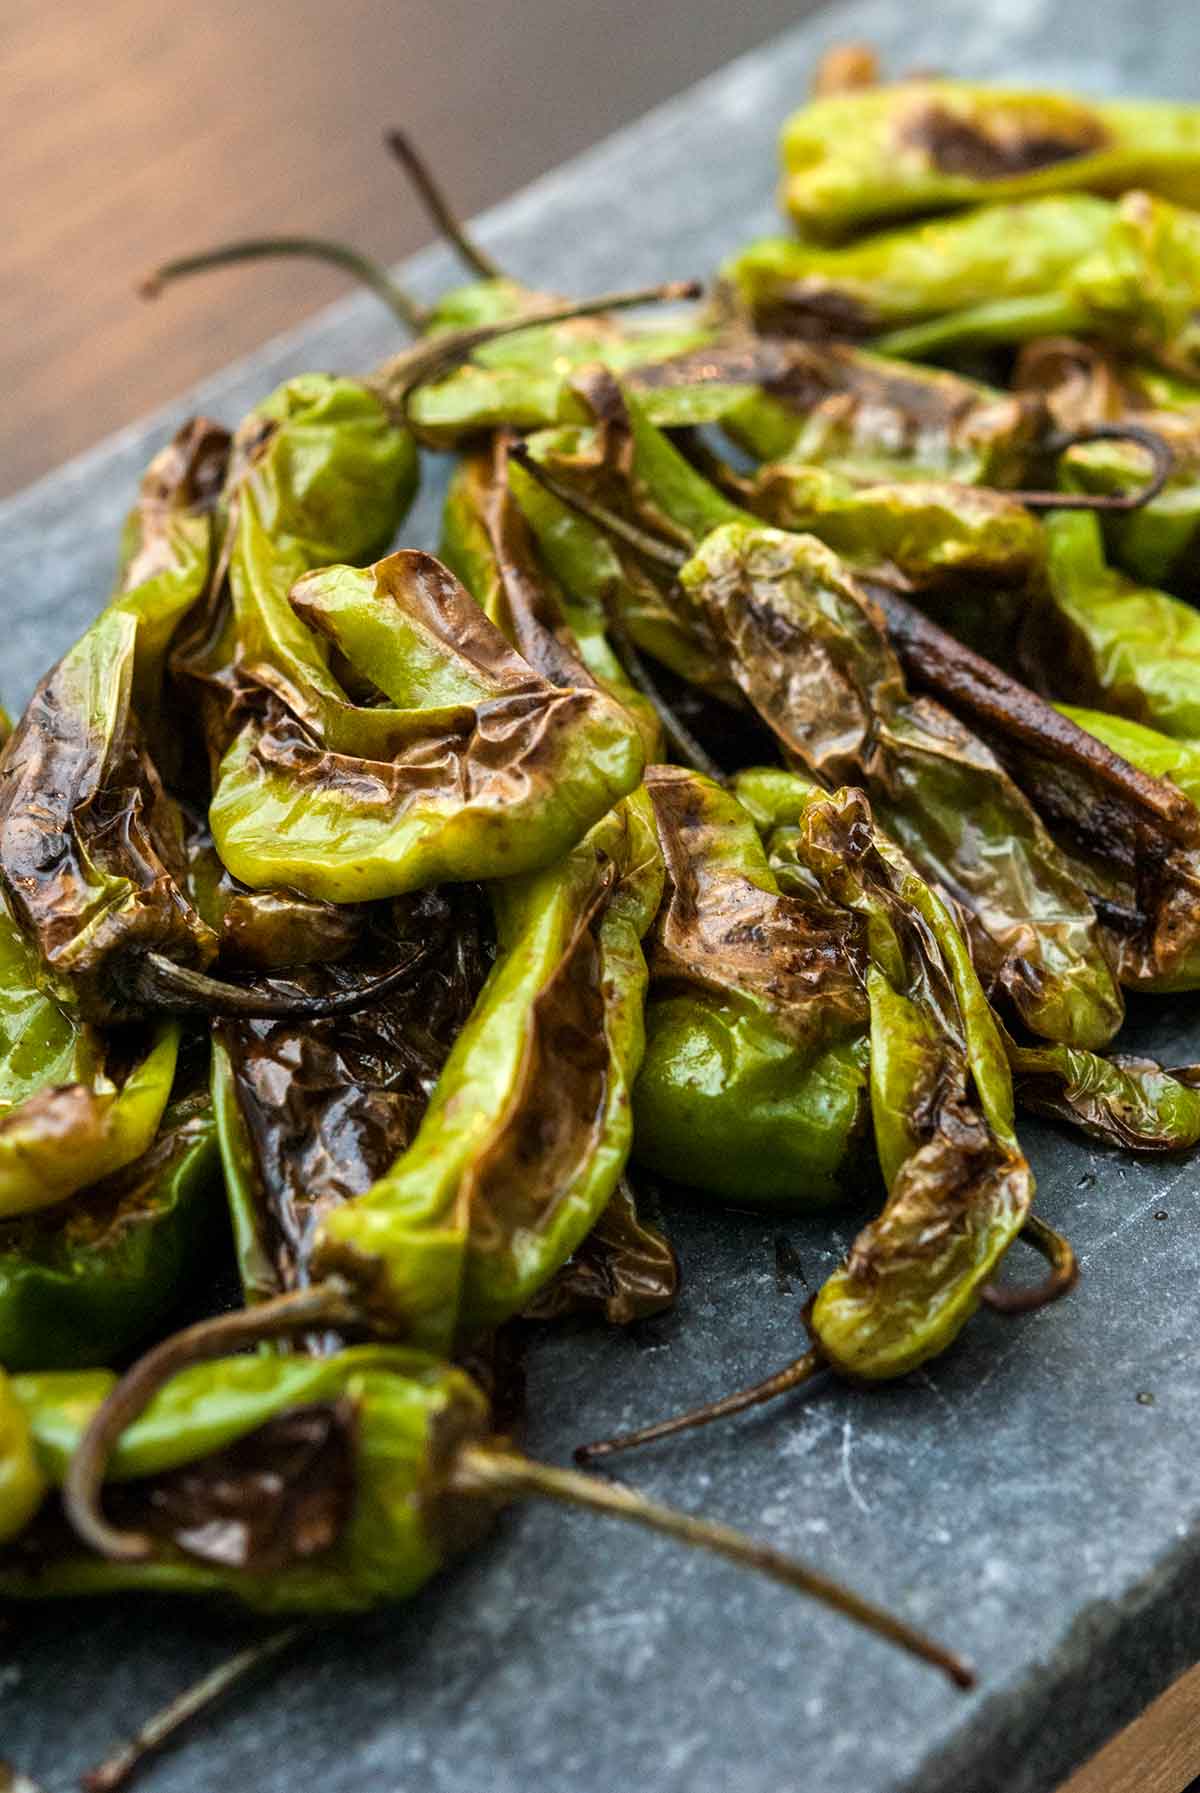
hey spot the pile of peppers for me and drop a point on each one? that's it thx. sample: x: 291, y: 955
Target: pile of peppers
x: 774, y: 785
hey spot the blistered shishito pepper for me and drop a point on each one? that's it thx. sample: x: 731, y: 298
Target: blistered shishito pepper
x: 488, y: 543
x: 1096, y: 637
x: 853, y: 161
x: 304, y: 1485
x: 1126, y: 272
x: 313, y: 1113
x: 496, y: 1190
x: 1085, y: 384
x: 959, y: 1188
x: 754, y: 1081
x: 1161, y: 755
x: 91, y: 845
x: 625, y: 1269
x: 475, y: 768
x: 85, y: 1281
x: 815, y: 663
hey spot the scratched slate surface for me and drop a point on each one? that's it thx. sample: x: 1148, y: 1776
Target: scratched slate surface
x: 1018, y: 1498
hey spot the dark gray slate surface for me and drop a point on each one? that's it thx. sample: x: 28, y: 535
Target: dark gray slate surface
x: 1017, y: 1498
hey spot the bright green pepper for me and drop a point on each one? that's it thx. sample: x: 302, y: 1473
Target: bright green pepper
x: 85, y: 1281
x: 1126, y: 272
x: 857, y: 160
x: 490, y: 771
x: 753, y: 1086
x: 496, y: 1190
x: 1100, y: 639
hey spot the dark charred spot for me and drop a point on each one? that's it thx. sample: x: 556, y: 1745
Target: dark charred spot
x: 959, y: 146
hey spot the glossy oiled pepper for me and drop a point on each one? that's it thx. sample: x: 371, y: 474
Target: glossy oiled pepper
x: 488, y: 543
x: 1096, y: 637
x: 499, y: 1186
x: 306, y: 1485
x: 815, y: 663
x: 85, y: 1281
x: 853, y: 161
x: 1162, y: 756
x: 753, y: 1085
x: 475, y: 768
x: 1127, y: 272
x: 91, y: 845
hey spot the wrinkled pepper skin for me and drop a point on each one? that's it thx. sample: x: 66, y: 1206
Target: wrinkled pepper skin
x: 488, y: 544
x: 496, y: 1191
x: 380, y: 1517
x: 87, y: 1281
x: 959, y: 1188
x: 1097, y: 638
x: 92, y: 896
x: 753, y: 1087
x: 319, y: 475
x: 814, y: 661
x: 489, y: 772
x: 1126, y: 272
x: 855, y: 161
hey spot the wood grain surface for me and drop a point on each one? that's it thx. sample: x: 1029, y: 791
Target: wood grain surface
x: 1158, y: 1753
x: 134, y: 131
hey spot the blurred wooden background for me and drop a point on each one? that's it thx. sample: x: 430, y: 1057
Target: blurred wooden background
x: 135, y: 131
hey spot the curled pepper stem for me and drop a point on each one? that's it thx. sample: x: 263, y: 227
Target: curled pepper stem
x: 1064, y: 1272
x: 793, y: 1375
x: 368, y: 272
x: 329, y: 1303
x: 1155, y: 444
x: 480, y: 1469
x: 163, y: 984
x: 398, y: 379
x: 118, y: 1769
x: 433, y: 198
x: 651, y: 546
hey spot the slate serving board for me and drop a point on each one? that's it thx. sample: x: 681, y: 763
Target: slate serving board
x: 1017, y: 1498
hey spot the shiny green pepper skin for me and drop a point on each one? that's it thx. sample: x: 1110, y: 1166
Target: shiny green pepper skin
x: 497, y: 1190
x: 855, y: 161
x: 753, y: 1087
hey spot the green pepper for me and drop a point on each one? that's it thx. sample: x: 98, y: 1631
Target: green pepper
x: 625, y: 1269
x: 857, y: 160
x: 1100, y: 639
x: 489, y: 770
x: 306, y: 1485
x: 1126, y: 272
x: 88, y: 1279
x: 496, y: 1191
x: 488, y: 544
x: 753, y: 1086
x: 1162, y: 756
x: 91, y: 845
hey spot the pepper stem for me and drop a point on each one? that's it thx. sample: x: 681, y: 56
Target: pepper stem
x: 1064, y: 1272
x: 651, y: 546
x: 1156, y: 445
x: 439, y: 208
x: 679, y: 737
x: 793, y: 1375
x: 329, y: 1303
x: 368, y: 272
x: 119, y: 1769
x: 400, y: 377
x: 163, y: 984
x: 482, y: 1470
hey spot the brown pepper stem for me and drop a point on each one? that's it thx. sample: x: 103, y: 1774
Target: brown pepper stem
x: 351, y: 261
x: 651, y: 546
x: 118, y: 1769
x: 1064, y: 1272
x: 329, y: 1303
x: 163, y: 984
x: 439, y: 208
x: 793, y: 1375
x: 1155, y: 444
x: 482, y: 1470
